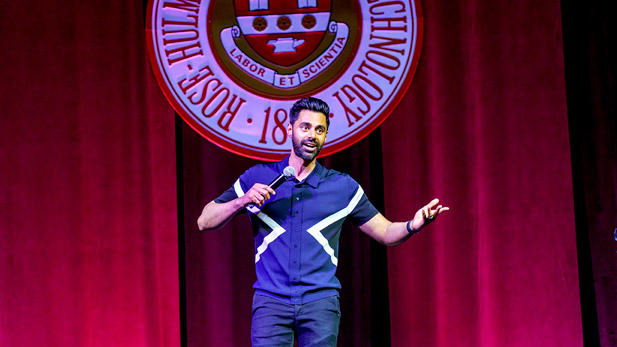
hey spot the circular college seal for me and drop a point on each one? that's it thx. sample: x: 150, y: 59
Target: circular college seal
x: 232, y: 70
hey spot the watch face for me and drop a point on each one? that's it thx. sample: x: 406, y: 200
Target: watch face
x: 232, y: 70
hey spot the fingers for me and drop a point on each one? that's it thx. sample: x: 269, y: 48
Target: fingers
x: 432, y: 210
x: 433, y: 203
x: 264, y: 190
x: 259, y: 193
x: 428, y: 212
x: 257, y: 199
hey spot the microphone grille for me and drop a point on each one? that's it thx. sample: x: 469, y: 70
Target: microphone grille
x: 289, y: 172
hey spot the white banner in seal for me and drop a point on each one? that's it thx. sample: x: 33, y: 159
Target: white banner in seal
x: 261, y: 72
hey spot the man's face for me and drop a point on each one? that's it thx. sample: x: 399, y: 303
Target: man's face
x: 308, y: 134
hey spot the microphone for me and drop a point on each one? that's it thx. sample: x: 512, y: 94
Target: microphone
x: 287, y: 173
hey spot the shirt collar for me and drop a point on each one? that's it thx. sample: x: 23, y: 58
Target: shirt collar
x: 313, y: 178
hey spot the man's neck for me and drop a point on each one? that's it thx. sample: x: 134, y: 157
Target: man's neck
x: 302, y: 167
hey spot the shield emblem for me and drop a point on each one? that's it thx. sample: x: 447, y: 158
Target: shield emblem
x: 283, y: 32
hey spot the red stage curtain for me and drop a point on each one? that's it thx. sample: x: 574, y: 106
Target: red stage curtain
x: 484, y: 127
x: 88, y: 193
x: 590, y: 33
x: 88, y: 226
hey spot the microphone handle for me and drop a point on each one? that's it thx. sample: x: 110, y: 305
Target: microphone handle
x: 277, y: 181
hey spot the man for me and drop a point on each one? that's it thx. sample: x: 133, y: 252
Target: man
x: 296, y: 230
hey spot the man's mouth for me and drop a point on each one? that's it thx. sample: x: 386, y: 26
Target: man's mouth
x: 310, y: 145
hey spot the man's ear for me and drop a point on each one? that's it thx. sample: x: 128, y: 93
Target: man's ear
x: 289, y: 130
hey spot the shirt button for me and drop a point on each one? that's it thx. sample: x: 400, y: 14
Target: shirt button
x: 297, y: 198
x: 295, y: 246
x: 296, y: 300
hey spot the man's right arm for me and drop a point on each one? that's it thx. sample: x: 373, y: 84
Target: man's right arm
x: 215, y: 215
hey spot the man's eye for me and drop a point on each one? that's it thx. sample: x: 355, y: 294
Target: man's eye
x: 320, y: 131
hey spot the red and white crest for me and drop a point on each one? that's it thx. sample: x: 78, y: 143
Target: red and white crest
x: 283, y: 32
x: 232, y: 70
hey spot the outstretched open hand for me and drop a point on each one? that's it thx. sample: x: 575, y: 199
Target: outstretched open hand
x: 427, y: 214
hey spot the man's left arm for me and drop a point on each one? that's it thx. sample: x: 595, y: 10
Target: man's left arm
x: 390, y: 234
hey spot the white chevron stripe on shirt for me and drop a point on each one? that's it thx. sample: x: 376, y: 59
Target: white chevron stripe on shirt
x: 316, y: 229
x: 277, y: 230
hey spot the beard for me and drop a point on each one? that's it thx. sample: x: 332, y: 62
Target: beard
x: 300, y: 150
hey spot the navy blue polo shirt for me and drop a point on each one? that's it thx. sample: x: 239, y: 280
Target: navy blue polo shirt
x: 297, y: 230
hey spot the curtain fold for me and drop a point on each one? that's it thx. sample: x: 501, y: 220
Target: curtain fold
x: 88, y: 205
x: 591, y: 71
x: 88, y: 221
x: 484, y: 128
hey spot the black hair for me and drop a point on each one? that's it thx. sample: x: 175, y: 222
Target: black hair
x: 311, y: 104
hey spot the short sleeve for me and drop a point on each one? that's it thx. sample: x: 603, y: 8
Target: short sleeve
x: 227, y: 196
x: 240, y: 185
x: 364, y: 209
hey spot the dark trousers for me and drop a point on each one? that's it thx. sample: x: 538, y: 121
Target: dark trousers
x: 275, y: 323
